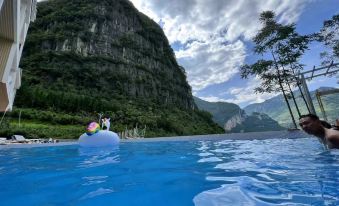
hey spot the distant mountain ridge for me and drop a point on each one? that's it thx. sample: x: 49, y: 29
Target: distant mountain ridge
x: 233, y: 119
x: 276, y: 107
x: 221, y: 111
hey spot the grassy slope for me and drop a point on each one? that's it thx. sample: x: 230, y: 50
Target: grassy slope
x: 159, y: 122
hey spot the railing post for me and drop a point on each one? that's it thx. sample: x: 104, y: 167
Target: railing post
x: 307, y: 94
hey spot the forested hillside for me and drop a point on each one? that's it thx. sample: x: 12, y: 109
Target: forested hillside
x: 85, y: 57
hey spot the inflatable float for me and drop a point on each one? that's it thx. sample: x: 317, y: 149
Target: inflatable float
x: 94, y: 137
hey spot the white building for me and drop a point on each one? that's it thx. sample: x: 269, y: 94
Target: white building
x: 15, y: 16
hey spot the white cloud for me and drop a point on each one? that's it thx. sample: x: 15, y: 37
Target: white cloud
x: 241, y: 95
x: 246, y: 94
x: 216, y: 27
x: 213, y: 99
x: 197, y: 19
x: 211, y: 63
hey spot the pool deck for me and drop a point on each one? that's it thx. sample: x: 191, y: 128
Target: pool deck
x: 22, y: 145
x: 232, y: 136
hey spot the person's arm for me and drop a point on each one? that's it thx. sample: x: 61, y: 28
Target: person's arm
x: 333, y: 138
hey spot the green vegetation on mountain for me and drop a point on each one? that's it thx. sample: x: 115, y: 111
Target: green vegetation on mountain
x: 160, y: 121
x: 84, y: 57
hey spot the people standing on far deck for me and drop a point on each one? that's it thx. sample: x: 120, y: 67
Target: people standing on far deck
x: 105, y: 125
x: 108, y: 124
x: 311, y: 124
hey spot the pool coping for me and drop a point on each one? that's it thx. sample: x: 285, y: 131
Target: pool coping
x: 284, y: 134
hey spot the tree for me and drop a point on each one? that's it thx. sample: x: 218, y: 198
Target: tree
x: 329, y: 35
x: 283, y: 47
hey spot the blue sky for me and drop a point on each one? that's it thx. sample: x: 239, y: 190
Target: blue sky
x: 212, y: 39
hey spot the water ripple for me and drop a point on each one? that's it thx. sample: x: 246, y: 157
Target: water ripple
x: 265, y: 173
x: 98, y: 192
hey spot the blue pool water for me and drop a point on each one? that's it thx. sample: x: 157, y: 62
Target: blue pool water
x: 223, y: 172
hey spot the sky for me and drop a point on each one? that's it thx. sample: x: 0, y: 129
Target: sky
x: 212, y: 39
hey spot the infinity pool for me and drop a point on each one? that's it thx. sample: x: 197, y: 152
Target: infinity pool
x: 222, y: 172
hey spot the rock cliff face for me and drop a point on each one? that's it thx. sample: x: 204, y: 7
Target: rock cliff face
x: 221, y: 111
x: 234, y: 121
x: 256, y: 122
x: 103, y: 47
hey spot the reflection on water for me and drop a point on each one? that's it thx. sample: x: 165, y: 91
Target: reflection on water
x: 98, y: 192
x: 94, y: 180
x: 94, y: 157
x: 265, y: 173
